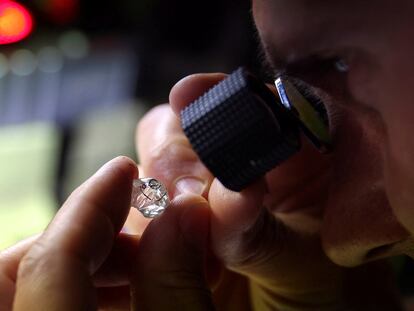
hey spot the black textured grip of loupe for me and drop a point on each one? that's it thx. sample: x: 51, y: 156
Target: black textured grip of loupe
x: 240, y: 130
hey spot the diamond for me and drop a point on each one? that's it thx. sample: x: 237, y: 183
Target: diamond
x: 149, y: 196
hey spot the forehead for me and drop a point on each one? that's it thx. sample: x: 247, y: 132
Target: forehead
x: 296, y: 25
x: 326, y: 12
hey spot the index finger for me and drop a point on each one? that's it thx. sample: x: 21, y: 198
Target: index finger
x: 164, y: 151
x: 55, y: 272
x: 191, y: 87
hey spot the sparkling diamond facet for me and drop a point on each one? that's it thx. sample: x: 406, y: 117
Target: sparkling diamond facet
x: 149, y: 196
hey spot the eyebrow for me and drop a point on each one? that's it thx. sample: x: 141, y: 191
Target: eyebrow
x: 300, y: 51
x: 279, y: 65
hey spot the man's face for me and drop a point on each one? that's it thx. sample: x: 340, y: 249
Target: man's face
x: 371, y: 110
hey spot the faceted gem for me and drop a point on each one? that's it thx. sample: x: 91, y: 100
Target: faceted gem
x: 149, y: 196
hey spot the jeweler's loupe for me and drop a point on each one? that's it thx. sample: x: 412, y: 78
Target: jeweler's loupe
x: 240, y: 129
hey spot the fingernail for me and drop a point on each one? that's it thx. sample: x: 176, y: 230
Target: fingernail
x: 124, y: 163
x: 189, y: 184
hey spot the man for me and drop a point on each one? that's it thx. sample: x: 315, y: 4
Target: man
x: 321, y: 212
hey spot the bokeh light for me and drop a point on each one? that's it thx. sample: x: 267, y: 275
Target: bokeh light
x: 23, y: 62
x: 50, y: 59
x: 62, y: 11
x: 16, y: 22
x: 74, y: 44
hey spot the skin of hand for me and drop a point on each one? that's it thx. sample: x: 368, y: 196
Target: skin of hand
x: 82, y: 262
x: 79, y: 250
x: 269, y: 232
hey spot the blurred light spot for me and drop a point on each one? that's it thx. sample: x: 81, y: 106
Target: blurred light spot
x: 4, y: 65
x: 50, y: 59
x: 16, y: 23
x: 62, y: 11
x: 23, y: 62
x: 74, y: 44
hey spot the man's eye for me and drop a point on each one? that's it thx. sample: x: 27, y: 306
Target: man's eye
x: 315, y: 66
x: 329, y: 74
x: 341, y: 65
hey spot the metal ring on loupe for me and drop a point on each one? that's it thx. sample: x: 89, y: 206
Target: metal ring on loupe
x: 311, y: 122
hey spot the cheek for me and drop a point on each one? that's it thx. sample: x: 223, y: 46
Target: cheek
x: 399, y: 164
x: 395, y: 101
x: 358, y: 220
x: 388, y: 87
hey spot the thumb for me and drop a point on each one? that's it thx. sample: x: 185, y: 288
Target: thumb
x: 169, y: 268
x: 269, y: 247
x: 244, y: 234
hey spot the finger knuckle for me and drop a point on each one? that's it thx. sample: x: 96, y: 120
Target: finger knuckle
x: 4, y: 270
x: 37, y: 261
x: 175, y: 149
x: 260, y: 244
x: 147, y: 121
